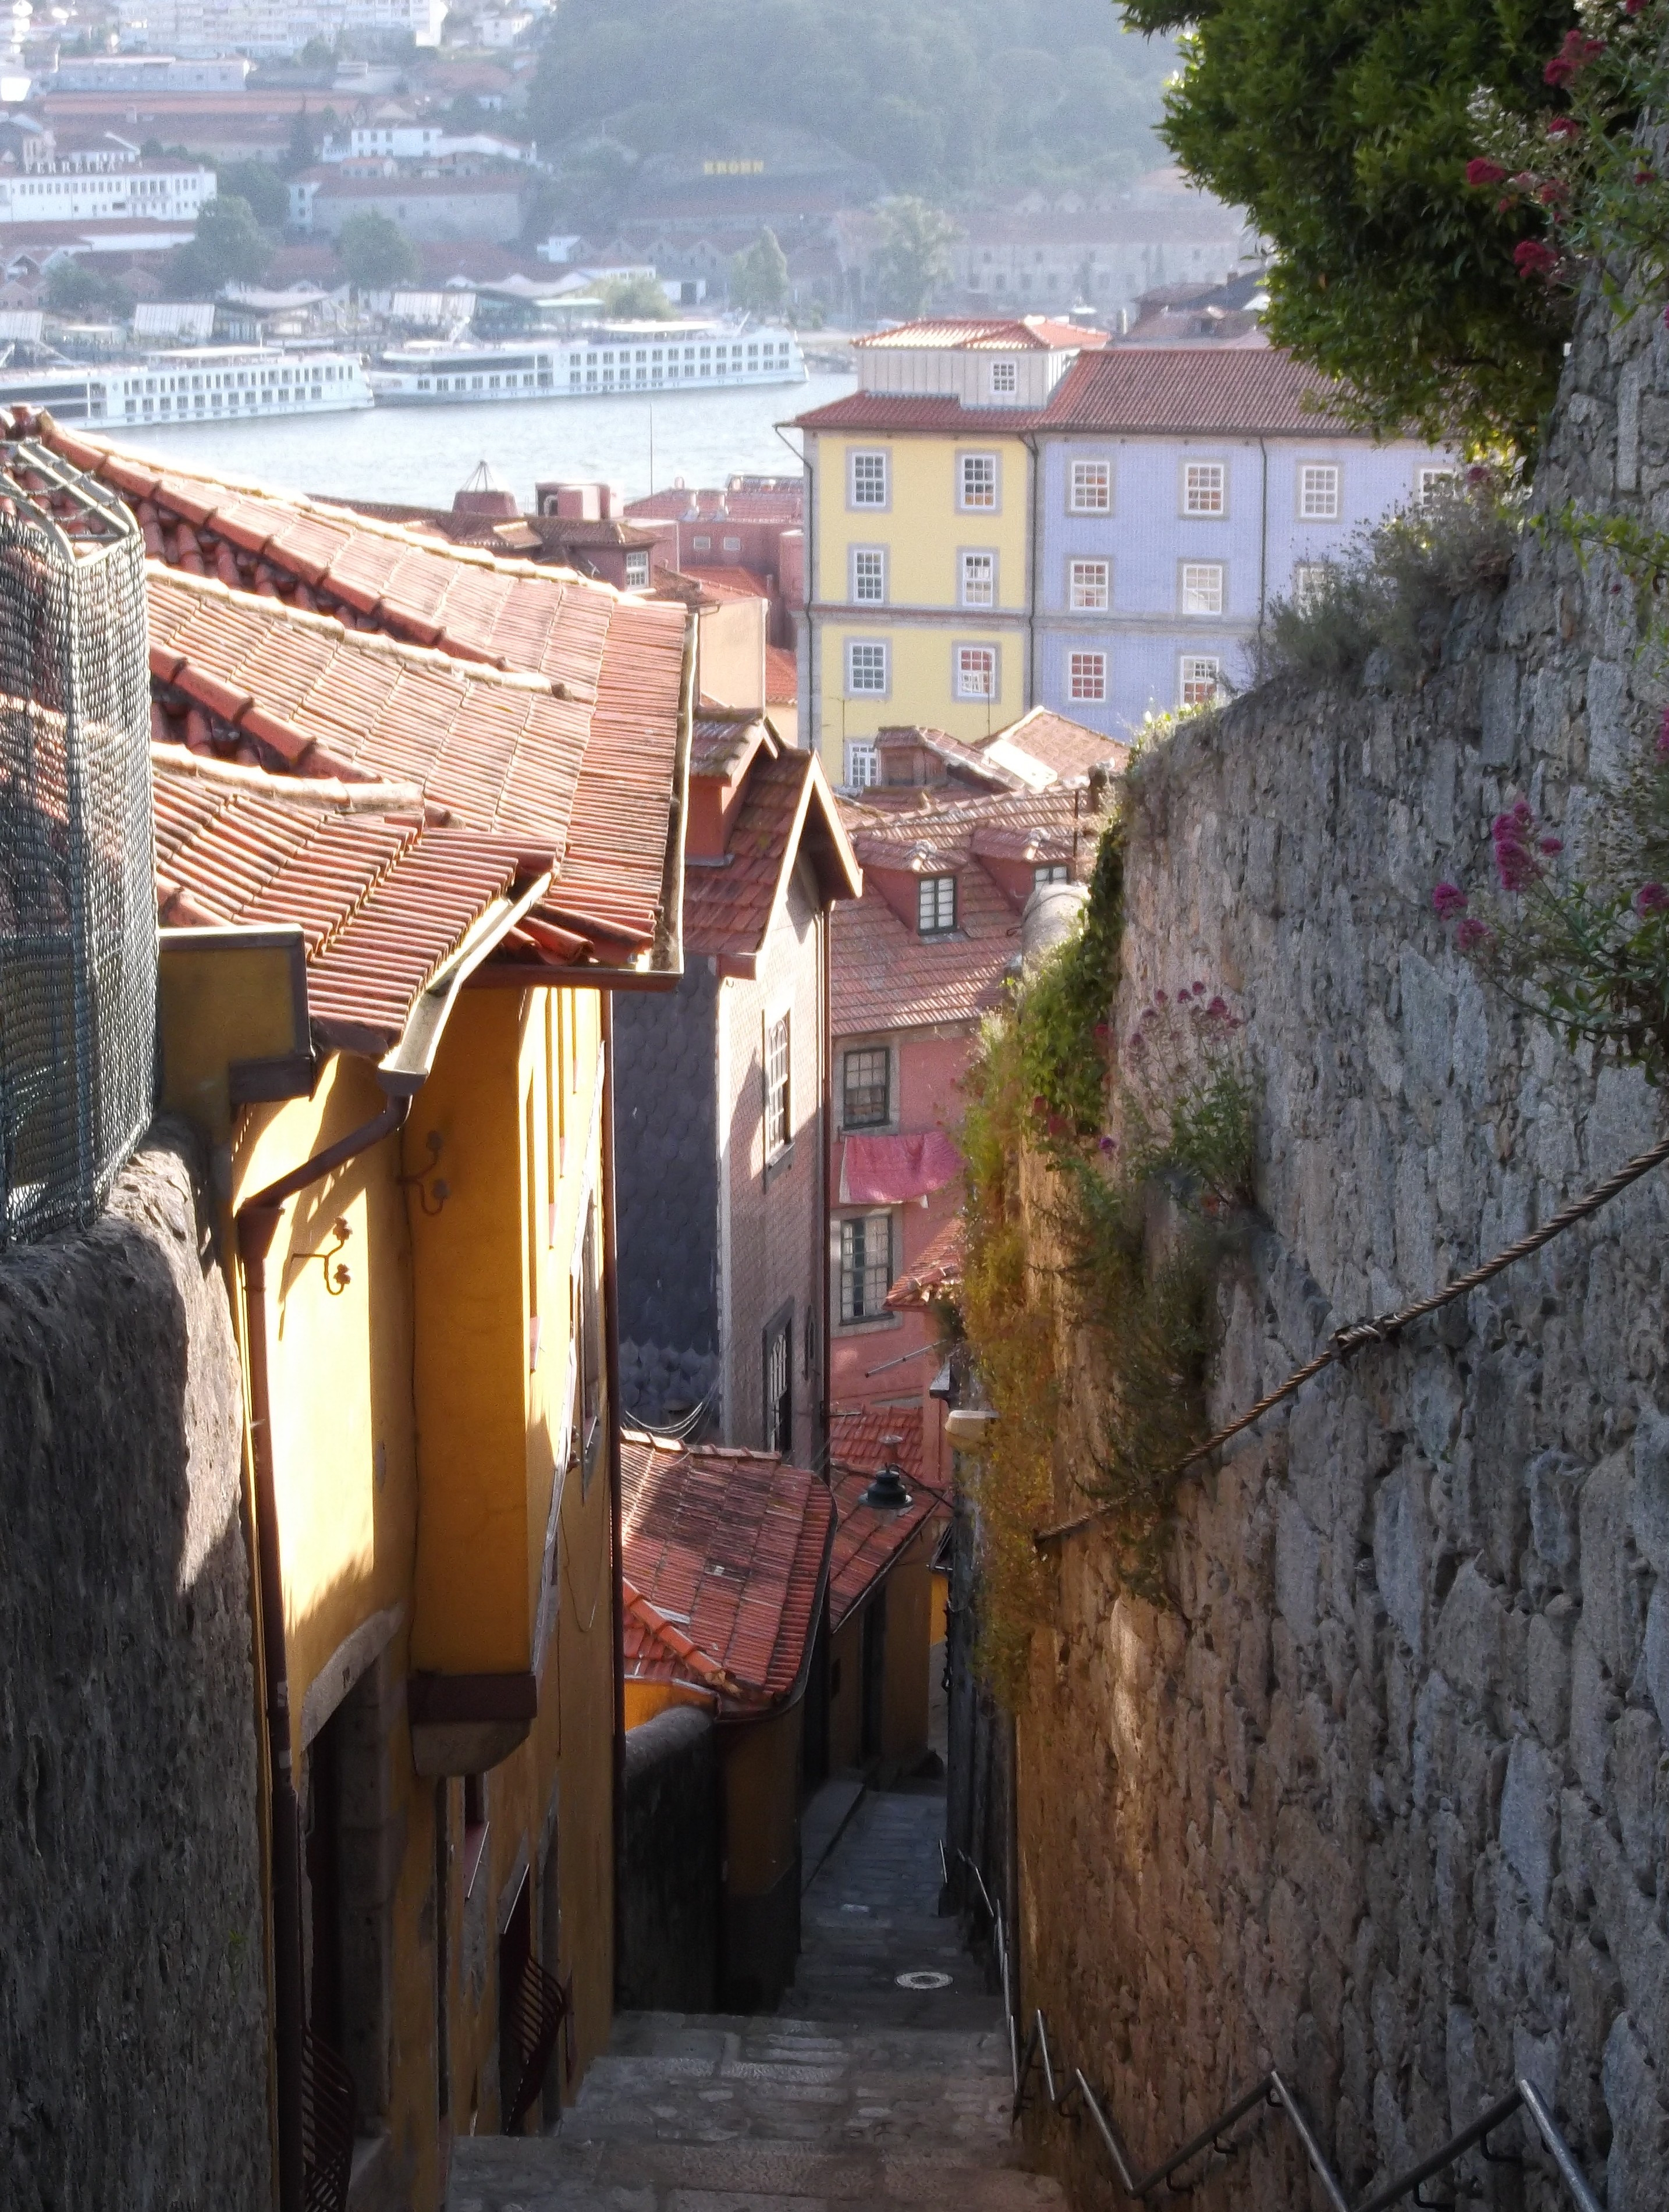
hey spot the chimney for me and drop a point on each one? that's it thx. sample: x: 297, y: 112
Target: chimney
x: 791, y: 567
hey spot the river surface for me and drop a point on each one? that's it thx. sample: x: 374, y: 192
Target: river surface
x: 420, y: 455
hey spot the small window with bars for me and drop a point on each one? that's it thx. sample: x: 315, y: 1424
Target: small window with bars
x: 866, y: 1266
x: 1086, y: 675
x: 1202, y: 587
x: 977, y: 482
x: 868, y: 479
x: 1205, y: 487
x: 779, y: 1125
x: 1318, y: 492
x: 978, y: 579
x: 976, y: 671
x: 1091, y: 487
x: 1201, y: 679
x: 779, y: 1386
x: 936, y: 905
x: 866, y: 1088
x: 1004, y: 378
x: 1089, y: 587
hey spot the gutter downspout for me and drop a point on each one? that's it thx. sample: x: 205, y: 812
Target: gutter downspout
x: 612, y: 1371
x: 1263, y: 536
x: 402, y: 1074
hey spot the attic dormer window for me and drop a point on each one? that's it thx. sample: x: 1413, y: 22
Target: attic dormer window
x: 1004, y: 378
x: 936, y: 905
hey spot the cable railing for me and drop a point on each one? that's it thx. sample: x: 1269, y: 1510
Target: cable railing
x: 1270, y: 2093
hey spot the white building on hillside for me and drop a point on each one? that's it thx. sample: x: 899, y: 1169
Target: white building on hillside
x: 124, y: 195
x: 189, y: 28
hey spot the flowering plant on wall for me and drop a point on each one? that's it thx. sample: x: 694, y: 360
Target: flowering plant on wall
x: 1591, y: 172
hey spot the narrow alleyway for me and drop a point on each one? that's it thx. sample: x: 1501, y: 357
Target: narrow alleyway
x: 858, y: 2091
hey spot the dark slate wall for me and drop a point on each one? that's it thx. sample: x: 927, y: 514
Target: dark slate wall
x: 666, y: 1155
x: 668, y: 1953
x: 132, y: 2003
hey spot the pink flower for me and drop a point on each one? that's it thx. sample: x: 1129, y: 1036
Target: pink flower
x: 1471, y: 934
x: 1056, y: 1125
x: 1109, y: 1145
x: 1199, y: 990
x: 1447, y: 901
x: 1651, y: 898
x: 1632, y: 7
x: 1553, y: 193
x: 1040, y: 1106
x: 1481, y: 172
x: 1159, y: 999
x: 1645, y: 176
x: 1573, y: 55
x: 1564, y: 126
x: 1550, y: 844
x: 1218, y: 1010
x: 1531, y: 258
x: 1512, y: 835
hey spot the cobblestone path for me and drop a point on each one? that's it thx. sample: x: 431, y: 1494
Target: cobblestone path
x: 856, y: 2092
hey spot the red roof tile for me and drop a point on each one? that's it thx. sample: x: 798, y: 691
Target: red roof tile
x: 939, y: 1268
x: 781, y: 675
x: 1177, y: 390
x: 783, y: 502
x: 728, y: 1550
x: 999, y: 334
x: 1063, y: 751
x: 730, y: 583
x: 729, y: 906
x: 868, y: 1544
x: 928, y: 413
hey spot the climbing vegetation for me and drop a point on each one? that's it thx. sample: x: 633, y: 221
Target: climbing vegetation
x: 1103, y: 1178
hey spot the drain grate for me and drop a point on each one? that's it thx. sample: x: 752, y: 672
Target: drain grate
x: 923, y: 1978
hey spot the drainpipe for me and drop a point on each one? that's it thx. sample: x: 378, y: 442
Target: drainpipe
x: 1263, y: 539
x: 258, y: 1224
x: 612, y: 1371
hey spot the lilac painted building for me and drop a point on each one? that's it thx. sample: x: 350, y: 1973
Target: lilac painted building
x: 1180, y: 490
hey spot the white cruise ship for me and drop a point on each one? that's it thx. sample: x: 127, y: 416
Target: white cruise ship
x: 193, y: 384
x: 582, y: 364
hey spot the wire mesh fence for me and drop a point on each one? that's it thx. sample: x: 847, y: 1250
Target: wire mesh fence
x: 77, y: 896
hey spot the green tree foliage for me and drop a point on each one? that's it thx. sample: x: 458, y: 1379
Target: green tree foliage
x: 943, y: 95
x: 636, y: 300
x: 260, y: 185
x: 1345, y: 126
x: 75, y: 287
x: 229, y: 248
x: 914, y: 259
x: 375, y: 251
x: 759, y: 277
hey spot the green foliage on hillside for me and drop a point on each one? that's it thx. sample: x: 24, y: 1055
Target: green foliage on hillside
x: 1346, y: 127
x: 228, y: 247
x: 942, y: 96
x: 375, y: 251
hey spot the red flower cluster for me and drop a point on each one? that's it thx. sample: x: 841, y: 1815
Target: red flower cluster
x: 1513, y: 835
x: 1564, y: 126
x: 1531, y: 258
x: 1481, y: 171
x: 1577, y: 51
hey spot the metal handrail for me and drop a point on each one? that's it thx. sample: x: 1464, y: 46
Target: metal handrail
x: 1268, y: 2092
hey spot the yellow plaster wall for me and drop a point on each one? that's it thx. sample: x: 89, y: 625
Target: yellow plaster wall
x: 760, y: 1761
x: 845, y: 1703
x: 909, y: 1632
x: 646, y: 1700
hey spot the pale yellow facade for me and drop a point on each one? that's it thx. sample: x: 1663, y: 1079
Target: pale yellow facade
x: 936, y: 525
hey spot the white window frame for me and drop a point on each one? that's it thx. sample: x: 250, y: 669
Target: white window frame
x: 637, y: 568
x: 1320, y: 491
x: 883, y: 459
x: 1205, y: 488
x: 1428, y: 477
x: 853, y: 1283
x: 1084, y: 595
x: 878, y: 555
x: 863, y: 763
x: 777, y: 1055
x: 1089, y: 485
x: 966, y: 554
x: 866, y: 645
x: 961, y: 666
x: 1005, y: 378
x: 1086, y: 666
x: 982, y: 459
x: 931, y: 903
x: 1202, y: 587
x: 1190, y: 676
x: 1310, y: 579
x: 1050, y: 872
x: 883, y: 1054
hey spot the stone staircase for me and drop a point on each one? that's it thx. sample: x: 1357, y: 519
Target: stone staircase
x: 858, y: 2091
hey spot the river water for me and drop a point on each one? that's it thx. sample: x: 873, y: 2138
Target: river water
x: 420, y: 455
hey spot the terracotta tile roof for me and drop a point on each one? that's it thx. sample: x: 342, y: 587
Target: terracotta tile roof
x: 589, y: 766
x: 1169, y: 391
x: 729, y: 583
x: 955, y: 752
x: 724, y: 1555
x: 1044, y: 747
x: 868, y: 1545
x: 884, y: 974
x: 784, y: 502
x: 381, y: 903
x: 939, y: 1268
x: 781, y: 675
x: 729, y: 908
x: 999, y: 334
x: 720, y: 738
x: 930, y: 414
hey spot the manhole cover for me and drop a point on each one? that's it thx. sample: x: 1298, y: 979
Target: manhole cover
x: 923, y: 1978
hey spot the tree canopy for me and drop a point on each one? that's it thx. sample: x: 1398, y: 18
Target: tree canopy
x: 375, y: 251
x: 637, y: 300
x: 1345, y: 126
x: 759, y: 277
x: 228, y: 247
x: 943, y: 95
x: 914, y: 259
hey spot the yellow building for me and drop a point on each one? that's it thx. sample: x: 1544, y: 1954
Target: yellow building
x: 399, y: 880
x: 920, y: 488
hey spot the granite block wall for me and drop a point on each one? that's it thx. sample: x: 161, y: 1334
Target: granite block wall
x: 132, y: 1988
x: 1382, y: 1796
